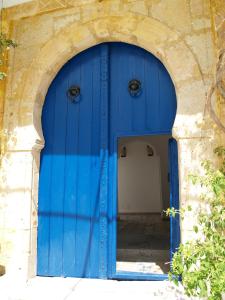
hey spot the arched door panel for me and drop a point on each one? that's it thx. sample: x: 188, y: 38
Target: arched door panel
x: 68, y: 228
x: 78, y: 172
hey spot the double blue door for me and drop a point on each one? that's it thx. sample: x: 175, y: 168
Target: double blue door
x: 106, y: 92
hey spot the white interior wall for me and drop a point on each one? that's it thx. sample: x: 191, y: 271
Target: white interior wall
x: 143, y: 180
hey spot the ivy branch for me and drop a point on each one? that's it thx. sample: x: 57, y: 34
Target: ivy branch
x: 201, y: 262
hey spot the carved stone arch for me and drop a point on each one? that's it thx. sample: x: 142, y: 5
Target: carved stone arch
x: 141, y: 31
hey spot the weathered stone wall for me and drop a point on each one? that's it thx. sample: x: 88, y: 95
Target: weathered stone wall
x: 218, y: 29
x: 218, y: 15
x: 179, y: 32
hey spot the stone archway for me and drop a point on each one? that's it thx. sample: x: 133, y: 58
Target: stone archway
x: 131, y: 28
x: 141, y: 31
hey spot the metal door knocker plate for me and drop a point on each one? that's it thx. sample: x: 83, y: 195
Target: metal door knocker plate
x: 73, y: 93
x: 134, y: 87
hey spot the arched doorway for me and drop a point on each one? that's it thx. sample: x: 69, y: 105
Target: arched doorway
x: 108, y: 92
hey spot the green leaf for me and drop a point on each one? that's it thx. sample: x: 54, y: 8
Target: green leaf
x: 189, y: 208
x: 2, y: 75
x: 5, y: 45
x: 201, y: 262
x: 195, y: 228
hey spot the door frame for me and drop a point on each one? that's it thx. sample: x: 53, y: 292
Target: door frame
x: 113, y: 210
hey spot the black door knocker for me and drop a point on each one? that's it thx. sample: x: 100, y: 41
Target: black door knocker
x: 134, y: 87
x: 73, y: 93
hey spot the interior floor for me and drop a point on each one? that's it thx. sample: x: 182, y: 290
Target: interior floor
x: 143, y: 243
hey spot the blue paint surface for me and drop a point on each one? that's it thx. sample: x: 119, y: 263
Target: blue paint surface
x: 174, y: 197
x: 140, y: 276
x: 70, y: 172
x: 78, y: 172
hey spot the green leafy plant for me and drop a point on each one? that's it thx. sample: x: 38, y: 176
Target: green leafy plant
x: 5, y: 45
x: 200, y: 263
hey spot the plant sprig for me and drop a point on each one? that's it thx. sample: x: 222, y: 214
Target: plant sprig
x: 201, y: 262
x: 5, y: 45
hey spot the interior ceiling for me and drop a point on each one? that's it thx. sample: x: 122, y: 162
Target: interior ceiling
x: 8, y: 3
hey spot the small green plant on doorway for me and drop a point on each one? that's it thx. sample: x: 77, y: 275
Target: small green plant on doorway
x: 5, y: 45
x: 200, y: 263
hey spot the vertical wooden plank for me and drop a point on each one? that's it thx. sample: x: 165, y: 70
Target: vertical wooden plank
x: 70, y: 199
x: 95, y: 166
x: 58, y: 176
x: 174, y: 196
x: 152, y: 94
x: 44, y: 190
x: 113, y: 206
x: 120, y: 74
x: 104, y: 161
x: 138, y: 102
x: 84, y: 169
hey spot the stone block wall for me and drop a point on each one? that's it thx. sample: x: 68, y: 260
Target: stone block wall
x: 184, y: 34
x: 218, y: 29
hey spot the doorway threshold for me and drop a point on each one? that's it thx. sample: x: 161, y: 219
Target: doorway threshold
x: 125, y: 275
x: 150, y: 267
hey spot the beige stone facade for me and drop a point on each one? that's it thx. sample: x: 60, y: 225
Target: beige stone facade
x: 181, y: 33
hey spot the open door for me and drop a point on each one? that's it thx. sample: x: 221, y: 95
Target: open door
x: 174, y: 196
x: 104, y: 94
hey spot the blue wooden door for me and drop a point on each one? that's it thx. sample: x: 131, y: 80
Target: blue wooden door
x: 70, y: 172
x: 78, y: 171
x: 174, y: 197
x: 150, y: 111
